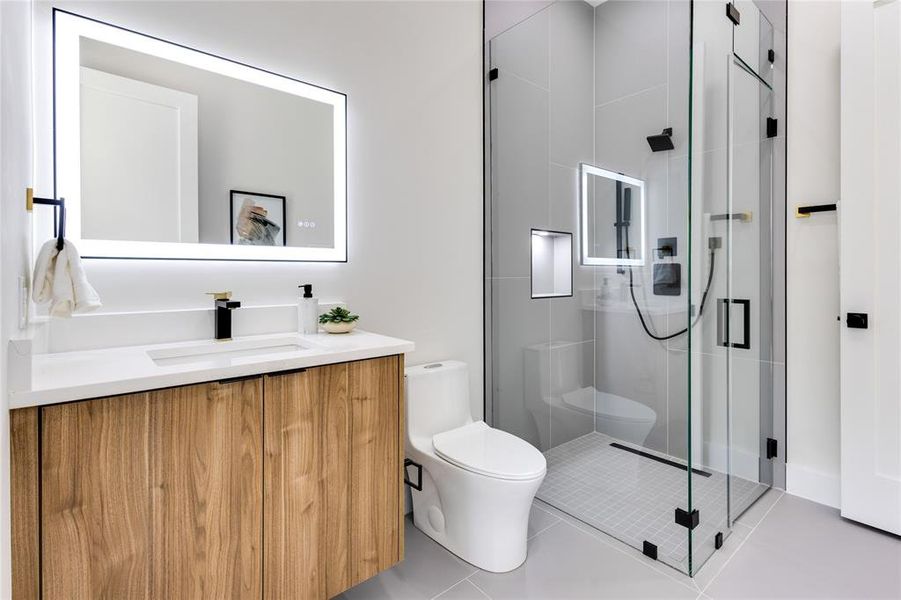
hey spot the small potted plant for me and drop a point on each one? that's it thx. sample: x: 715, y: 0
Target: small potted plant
x: 338, y: 320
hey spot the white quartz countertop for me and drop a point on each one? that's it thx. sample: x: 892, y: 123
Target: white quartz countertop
x: 78, y: 375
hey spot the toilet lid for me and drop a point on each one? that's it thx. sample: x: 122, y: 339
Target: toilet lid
x: 481, y: 449
x: 609, y: 406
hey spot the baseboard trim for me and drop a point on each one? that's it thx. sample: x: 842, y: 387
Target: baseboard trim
x: 823, y: 488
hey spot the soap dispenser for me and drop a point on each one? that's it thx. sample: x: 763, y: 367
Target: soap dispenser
x: 307, y: 311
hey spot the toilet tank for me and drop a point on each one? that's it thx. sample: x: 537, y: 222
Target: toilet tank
x: 437, y: 397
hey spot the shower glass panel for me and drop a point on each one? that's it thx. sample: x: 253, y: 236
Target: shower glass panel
x: 749, y: 313
x: 634, y: 126
x: 733, y: 224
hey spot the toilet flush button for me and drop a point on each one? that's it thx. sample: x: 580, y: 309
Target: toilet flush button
x: 436, y: 519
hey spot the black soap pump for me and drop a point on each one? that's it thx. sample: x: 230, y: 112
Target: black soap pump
x: 307, y: 311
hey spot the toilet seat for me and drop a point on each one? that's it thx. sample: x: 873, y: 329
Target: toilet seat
x: 481, y: 449
x: 609, y: 406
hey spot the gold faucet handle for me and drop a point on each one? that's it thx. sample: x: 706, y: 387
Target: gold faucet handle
x: 220, y: 295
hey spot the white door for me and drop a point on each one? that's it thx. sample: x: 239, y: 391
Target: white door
x: 138, y: 160
x: 870, y: 222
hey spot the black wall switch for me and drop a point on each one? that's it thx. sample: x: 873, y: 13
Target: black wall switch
x: 667, y: 279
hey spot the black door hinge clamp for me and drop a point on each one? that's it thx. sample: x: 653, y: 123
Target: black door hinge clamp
x: 733, y: 13
x: 686, y: 519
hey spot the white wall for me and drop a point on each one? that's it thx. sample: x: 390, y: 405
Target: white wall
x: 412, y: 73
x: 814, y: 31
x: 15, y: 173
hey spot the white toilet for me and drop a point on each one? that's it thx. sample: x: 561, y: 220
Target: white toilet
x: 558, y: 399
x: 477, y: 482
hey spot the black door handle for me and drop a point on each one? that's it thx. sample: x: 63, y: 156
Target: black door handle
x: 857, y: 321
x: 723, y: 322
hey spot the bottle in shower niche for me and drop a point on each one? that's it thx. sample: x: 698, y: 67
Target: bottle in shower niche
x: 307, y: 311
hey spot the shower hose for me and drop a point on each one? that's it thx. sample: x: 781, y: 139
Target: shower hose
x: 684, y: 330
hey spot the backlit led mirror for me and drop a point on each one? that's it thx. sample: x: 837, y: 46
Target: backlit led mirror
x: 163, y: 151
x: 612, y: 217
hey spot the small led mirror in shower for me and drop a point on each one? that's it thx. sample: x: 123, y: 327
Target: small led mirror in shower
x: 612, y: 214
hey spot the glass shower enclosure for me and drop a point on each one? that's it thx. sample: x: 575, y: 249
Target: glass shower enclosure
x: 633, y: 295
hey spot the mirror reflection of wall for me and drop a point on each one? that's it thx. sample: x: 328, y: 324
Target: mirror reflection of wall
x: 164, y: 143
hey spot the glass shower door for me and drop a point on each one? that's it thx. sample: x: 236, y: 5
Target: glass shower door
x: 746, y: 313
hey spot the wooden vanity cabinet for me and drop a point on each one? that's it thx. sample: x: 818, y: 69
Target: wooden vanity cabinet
x: 333, y: 477
x: 287, y: 485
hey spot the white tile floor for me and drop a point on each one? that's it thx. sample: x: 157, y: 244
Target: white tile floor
x: 633, y: 497
x: 782, y: 547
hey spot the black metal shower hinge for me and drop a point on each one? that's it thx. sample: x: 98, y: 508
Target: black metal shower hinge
x: 772, y: 448
x: 733, y: 13
x: 493, y: 74
x: 649, y: 550
x: 686, y: 519
x: 772, y: 127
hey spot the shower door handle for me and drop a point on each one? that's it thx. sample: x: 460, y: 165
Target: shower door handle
x: 724, y: 321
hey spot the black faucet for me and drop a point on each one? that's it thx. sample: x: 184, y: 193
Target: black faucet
x: 224, y: 307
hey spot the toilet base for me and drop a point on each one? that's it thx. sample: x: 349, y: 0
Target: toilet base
x: 480, y: 519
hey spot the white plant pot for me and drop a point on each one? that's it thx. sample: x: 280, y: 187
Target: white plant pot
x: 339, y: 327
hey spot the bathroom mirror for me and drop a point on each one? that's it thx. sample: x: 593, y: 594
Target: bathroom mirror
x: 612, y: 215
x: 163, y: 151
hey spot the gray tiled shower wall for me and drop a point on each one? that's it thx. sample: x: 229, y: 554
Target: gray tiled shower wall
x: 582, y: 84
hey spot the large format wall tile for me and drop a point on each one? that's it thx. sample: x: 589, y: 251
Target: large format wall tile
x: 630, y: 48
x: 679, y: 60
x: 523, y: 50
x: 571, y: 83
x: 519, y: 172
x: 621, y: 129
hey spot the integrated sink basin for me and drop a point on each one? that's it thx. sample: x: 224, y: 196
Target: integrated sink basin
x: 224, y: 351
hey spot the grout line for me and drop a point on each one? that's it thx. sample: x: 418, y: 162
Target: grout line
x: 741, y: 545
x: 526, y: 80
x: 473, y: 583
x: 455, y: 584
x: 613, y: 543
x: 632, y: 95
x: 557, y: 522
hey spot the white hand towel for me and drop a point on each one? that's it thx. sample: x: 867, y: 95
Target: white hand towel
x: 59, y: 278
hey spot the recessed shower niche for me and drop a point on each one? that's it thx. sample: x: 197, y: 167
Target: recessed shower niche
x: 552, y: 264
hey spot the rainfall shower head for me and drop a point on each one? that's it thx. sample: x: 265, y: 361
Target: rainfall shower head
x: 662, y: 141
